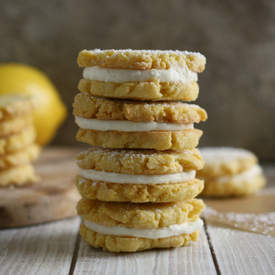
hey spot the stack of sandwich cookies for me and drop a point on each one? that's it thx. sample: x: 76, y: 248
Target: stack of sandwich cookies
x: 17, y: 135
x: 230, y: 172
x: 138, y: 182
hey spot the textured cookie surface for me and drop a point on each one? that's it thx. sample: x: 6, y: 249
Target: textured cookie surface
x: 19, y: 175
x: 220, y: 161
x: 158, y: 140
x: 17, y: 141
x: 15, y: 105
x: 149, y: 90
x: 141, y: 59
x: 105, y: 109
x: 138, y: 193
x: 21, y: 157
x: 131, y: 244
x: 147, y: 215
x: 232, y: 187
x: 14, y: 125
x: 140, y: 162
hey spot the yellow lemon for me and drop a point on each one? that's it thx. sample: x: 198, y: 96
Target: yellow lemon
x: 50, y: 111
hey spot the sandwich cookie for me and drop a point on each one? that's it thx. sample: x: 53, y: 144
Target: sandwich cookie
x: 141, y: 74
x: 20, y: 157
x: 14, y: 125
x: 230, y: 172
x: 125, y: 124
x: 18, y: 141
x: 126, y: 227
x: 18, y: 175
x: 138, y: 176
x: 15, y: 105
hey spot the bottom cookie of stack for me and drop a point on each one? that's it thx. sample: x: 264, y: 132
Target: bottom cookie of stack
x: 127, y: 227
x: 230, y: 172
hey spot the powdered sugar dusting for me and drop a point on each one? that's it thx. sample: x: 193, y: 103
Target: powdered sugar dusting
x: 158, y: 52
x: 260, y: 223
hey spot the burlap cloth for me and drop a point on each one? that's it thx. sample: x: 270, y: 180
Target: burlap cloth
x: 254, y: 213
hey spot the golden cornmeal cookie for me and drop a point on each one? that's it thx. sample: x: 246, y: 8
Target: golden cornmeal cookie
x: 132, y: 244
x: 138, y: 193
x: 153, y: 90
x: 130, y: 227
x: 17, y: 141
x: 230, y: 172
x: 141, y: 59
x: 143, y: 162
x: 109, y: 109
x: 21, y: 157
x: 158, y: 140
x: 15, y: 105
x: 18, y: 175
x: 233, y: 186
x: 14, y: 125
x: 221, y: 161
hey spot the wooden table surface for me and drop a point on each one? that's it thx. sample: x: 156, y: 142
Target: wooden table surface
x: 56, y: 248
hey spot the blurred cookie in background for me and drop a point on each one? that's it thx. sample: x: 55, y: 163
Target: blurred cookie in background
x: 230, y: 172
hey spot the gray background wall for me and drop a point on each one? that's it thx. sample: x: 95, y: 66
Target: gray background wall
x: 238, y: 38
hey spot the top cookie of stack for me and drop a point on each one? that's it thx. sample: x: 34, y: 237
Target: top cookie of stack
x: 141, y: 74
x: 149, y: 78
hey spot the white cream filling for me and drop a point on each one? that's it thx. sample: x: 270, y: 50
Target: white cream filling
x: 174, y: 74
x: 164, y: 232
x: 246, y: 175
x: 128, y: 126
x: 135, y: 179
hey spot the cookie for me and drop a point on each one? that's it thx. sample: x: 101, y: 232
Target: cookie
x: 140, y: 162
x: 18, y: 175
x: 91, y: 107
x: 158, y: 140
x: 21, y: 157
x: 126, y: 227
x: 141, y: 59
x: 141, y: 74
x: 17, y: 141
x: 138, y: 193
x: 14, y: 125
x: 222, y: 161
x: 15, y: 105
x: 242, y: 184
x: 138, y: 176
x: 153, y: 90
x: 230, y: 172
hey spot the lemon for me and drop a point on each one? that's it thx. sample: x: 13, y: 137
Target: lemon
x: 50, y: 110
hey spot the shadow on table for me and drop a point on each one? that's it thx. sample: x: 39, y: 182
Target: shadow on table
x: 47, y: 241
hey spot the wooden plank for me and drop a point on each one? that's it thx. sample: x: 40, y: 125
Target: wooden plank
x: 194, y: 259
x: 43, y: 249
x: 240, y: 252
